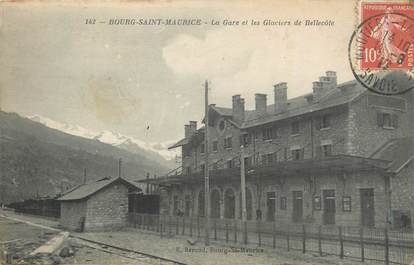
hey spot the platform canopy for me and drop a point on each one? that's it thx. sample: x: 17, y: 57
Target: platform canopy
x: 337, y: 164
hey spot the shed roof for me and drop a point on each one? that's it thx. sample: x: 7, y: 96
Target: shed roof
x: 88, y: 189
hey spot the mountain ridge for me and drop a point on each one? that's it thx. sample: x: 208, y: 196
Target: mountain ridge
x: 112, y: 138
x: 37, y: 160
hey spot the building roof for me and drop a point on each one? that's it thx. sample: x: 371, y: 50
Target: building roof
x: 183, y: 141
x: 88, y: 189
x: 222, y: 111
x: 399, y: 151
x: 342, y: 94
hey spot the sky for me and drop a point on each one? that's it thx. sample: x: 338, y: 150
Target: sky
x: 130, y: 78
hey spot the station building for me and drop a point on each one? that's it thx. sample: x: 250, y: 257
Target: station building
x: 339, y: 155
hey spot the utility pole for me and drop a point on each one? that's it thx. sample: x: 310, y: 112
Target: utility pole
x: 119, y: 167
x: 206, y: 171
x: 243, y: 184
x: 148, y: 185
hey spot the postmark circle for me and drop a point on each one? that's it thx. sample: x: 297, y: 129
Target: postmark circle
x: 381, y: 53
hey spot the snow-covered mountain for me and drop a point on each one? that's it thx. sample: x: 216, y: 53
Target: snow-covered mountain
x: 155, y: 150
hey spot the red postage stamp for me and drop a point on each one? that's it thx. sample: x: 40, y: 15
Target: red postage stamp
x: 381, y: 49
x: 387, y: 36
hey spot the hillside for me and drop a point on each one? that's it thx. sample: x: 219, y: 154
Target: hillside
x: 37, y: 160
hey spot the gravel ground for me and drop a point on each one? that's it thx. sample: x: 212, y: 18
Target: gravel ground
x: 176, y: 248
x: 21, y: 239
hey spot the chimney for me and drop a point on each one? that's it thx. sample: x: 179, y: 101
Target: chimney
x: 318, y: 90
x: 193, y: 126
x: 261, y: 103
x: 325, y: 83
x: 238, y: 109
x: 187, y: 130
x: 190, y: 129
x: 332, y: 78
x: 280, y: 97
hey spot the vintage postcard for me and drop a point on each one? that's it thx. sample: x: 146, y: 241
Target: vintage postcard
x: 207, y: 132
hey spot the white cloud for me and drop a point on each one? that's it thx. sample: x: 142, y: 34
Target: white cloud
x: 250, y: 61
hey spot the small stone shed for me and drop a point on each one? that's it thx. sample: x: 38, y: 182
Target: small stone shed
x: 97, y: 206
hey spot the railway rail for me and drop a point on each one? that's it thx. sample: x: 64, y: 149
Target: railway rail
x: 126, y: 253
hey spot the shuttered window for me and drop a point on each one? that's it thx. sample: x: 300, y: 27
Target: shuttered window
x: 387, y: 120
x: 269, y: 133
x: 298, y: 154
x: 228, y: 142
x: 295, y: 128
x: 215, y: 146
x: 268, y: 159
x: 230, y: 164
x: 323, y: 122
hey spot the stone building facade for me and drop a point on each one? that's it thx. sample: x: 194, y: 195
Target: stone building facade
x: 326, y: 157
x: 97, y: 206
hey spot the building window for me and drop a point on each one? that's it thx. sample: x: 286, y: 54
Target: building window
x: 222, y: 125
x: 325, y: 121
x: 245, y: 139
x: 268, y: 159
x: 215, y: 165
x: 229, y: 163
x: 247, y: 162
x: 295, y: 128
x: 202, y: 148
x: 188, y: 205
x: 327, y: 150
x: 283, y: 203
x: 228, y: 142
x: 387, y: 120
x: 297, y: 154
x: 269, y: 133
x: 346, y: 204
x: 215, y: 146
x: 176, y: 205
x: 187, y: 170
x: 255, y: 136
x: 186, y: 151
x: 317, y: 205
x: 202, y: 167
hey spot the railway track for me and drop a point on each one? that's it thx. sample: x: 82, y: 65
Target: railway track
x: 126, y: 253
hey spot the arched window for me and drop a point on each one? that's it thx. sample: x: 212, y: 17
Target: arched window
x: 215, y: 204
x: 201, y: 204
